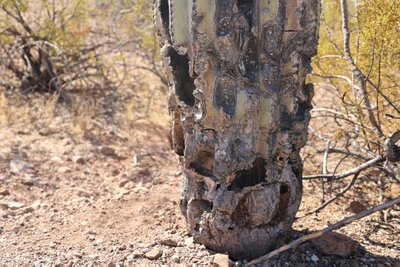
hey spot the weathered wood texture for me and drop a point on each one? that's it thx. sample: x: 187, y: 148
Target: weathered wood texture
x: 240, y: 108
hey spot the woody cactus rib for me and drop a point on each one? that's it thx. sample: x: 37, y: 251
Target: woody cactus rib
x: 240, y: 108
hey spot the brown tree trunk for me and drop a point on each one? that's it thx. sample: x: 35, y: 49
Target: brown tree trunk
x: 240, y: 108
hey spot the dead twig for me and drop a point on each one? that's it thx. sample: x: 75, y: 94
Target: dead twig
x: 355, y: 170
x: 328, y: 229
x: 338, y: 195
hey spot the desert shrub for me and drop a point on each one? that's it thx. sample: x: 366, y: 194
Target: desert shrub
x: 56, y: 45
x: 357, y: 71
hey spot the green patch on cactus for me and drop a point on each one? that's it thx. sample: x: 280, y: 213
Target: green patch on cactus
x: 268, y: 11
x: 265, y: 112
x: 181, y: 11
x: 211, y: 110
x: 206, y: 8
x: 240, y: 105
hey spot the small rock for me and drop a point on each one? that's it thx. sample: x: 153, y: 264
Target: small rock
x: 90, y: 232
x: 134, y: 255
x: 127, y: 184
x: 107, y: 151
x: 56, y: 159
x: 314, y: 258
x: 63, y: 169
x: 29, y: 210
x: 189, y: 242
x: 91, y: 238
x: 94, y: 257
x: 28, y: 181
x: 121, y: 248
x: 169, y: 242
x: 36, y: 205
x: 4, y: 192
x: 17, y: 166
x: 79, y: 160
x: 154, y: 254
x: 115, y: 172
x: 83, y: 193
x: 12, y: 204
x: 175, y: 258
x: 335, y: 244
x: 356, y: 207
x: 221, y: 260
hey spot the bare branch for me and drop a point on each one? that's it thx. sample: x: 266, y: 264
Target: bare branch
x: 360, y: 77
x: 338, y: 195
x: 328, y: 229
x: 353, y: 171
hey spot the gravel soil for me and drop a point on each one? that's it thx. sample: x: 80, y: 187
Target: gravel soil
x: 111, y: 197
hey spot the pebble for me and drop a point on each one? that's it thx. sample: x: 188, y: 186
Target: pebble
x: 335, y: 244
x: 17, y: 166
x: 56, y: 159
x: 175, y: 258
x: 168, y: 242
x: 36, y: 205
x: 314, y: 258
x: 94, y: 257
x: 63, y: 169
x: 28, y: 181
x: 154, y: 254
x: 4, y: 192
x: 90, y: 232
x: 12, y: 204
x: 356, y: 207
x: 134, y: 255
x: 221, y: 260
x: 189, y: 242
x: 79, y: 160
x: 107, y: 151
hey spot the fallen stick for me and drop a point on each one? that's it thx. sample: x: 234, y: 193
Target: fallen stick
x: 328, y: 229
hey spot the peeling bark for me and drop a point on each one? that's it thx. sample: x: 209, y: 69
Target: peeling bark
x: 240, y: 109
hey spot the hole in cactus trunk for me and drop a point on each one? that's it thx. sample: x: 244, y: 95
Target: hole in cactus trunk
x: 164, y: 12
x: 251, y: 177
x: 246, y: 8
x: 204, y: 164
x: 283, y: 204
x: 183, y: 83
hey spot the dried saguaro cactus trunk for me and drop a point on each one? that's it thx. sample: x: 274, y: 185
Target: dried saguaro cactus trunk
x: 240, y: 108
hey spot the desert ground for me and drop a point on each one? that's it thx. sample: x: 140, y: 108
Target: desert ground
x: 78, y: 188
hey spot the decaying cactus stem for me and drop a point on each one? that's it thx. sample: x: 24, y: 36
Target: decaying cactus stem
x: 240, y: 109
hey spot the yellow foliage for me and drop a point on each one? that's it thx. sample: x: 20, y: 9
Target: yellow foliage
x: 375, y: 37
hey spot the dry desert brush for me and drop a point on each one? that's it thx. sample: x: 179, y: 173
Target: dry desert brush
x: 356, y: 131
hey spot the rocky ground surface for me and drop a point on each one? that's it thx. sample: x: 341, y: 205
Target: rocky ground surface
x: 110, y: 197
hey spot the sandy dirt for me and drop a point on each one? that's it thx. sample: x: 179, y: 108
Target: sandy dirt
x: 110, y: 196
